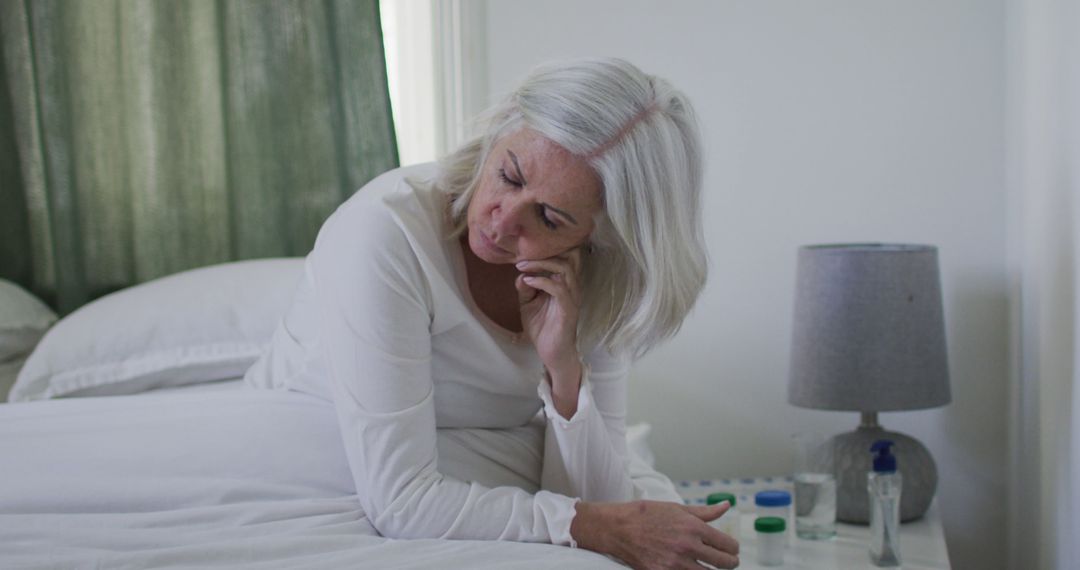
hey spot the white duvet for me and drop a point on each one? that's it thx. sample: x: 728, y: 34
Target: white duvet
x: 228, y: 478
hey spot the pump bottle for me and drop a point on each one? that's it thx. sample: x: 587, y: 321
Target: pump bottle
x: 883, y: 484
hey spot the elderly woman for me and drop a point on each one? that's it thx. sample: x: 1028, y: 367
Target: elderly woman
x: 510, y: 286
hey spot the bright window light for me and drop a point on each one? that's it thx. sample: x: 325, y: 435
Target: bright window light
x: 410, y: 68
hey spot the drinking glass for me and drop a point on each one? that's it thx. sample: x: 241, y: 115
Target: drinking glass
x: 815, y: 487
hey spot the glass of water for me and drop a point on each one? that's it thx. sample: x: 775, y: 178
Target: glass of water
x: 815, y: 487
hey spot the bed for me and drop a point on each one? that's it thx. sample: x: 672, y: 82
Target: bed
x: 131, y: 442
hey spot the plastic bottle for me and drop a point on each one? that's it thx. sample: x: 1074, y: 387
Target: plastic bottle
x: 770, y: 540
x: 883, y: 485
x: 777, y: 503
x: 729, y: 522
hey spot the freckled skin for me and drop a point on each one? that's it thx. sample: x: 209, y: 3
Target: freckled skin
x: 508, y: 215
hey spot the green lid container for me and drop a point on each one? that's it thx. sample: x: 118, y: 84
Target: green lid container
x: 769, y: 524
x: 717, y: 498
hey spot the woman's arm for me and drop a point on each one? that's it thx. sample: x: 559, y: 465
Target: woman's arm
x: 374, y: 313
x: 585, y: 451
x: 586, y: 455
x: 549, y: 293
x: 585, y: 446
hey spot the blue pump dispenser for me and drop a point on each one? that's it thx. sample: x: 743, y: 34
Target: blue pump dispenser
x: 884, y: 460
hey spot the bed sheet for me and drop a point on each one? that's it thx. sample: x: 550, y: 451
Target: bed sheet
x: 227, y: 477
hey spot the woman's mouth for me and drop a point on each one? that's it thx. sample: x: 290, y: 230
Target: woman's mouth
x: 491, y: 244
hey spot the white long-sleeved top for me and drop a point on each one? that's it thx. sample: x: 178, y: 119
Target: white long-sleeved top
x: 383, y: 324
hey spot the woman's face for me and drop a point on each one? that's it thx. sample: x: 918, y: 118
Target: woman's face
x: 535, y: 200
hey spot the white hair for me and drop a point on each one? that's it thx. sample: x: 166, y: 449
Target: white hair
x: 639, y: 134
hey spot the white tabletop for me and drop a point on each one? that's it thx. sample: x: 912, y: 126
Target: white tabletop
x: 922, y: 542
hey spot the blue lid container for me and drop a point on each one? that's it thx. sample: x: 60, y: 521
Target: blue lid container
x: 772, y: 499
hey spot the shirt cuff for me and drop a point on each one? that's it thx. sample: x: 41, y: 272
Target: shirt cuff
x: 560, y: 512
x: 584, y: 401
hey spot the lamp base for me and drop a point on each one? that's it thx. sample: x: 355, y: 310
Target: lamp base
x: 853, y: 460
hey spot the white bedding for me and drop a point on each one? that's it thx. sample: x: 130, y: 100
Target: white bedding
x: 225, y: 476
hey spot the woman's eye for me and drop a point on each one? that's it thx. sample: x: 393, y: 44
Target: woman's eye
x: 506, y: 179
x: 541, y: 211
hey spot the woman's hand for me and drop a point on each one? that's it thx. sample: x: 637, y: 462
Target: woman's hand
x: 549, y: 293
x: 653, y: 534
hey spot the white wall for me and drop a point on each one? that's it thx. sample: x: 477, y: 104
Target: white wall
x: 1043, y: 152
x: 824, y: 121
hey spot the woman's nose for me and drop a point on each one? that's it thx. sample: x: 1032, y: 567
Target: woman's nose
x: 509, y: 217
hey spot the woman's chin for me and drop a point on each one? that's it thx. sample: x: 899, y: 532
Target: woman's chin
x: 497, y: 259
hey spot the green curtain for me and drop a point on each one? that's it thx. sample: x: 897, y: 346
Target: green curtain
x: 139, y: 138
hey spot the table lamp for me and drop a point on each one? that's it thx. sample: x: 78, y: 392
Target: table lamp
x: 869, y: 337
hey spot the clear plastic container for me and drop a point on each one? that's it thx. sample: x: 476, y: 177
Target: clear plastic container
x: 770, y: 540
x: 884, y: 484
x: 776, y: 503
x: 729, y: 522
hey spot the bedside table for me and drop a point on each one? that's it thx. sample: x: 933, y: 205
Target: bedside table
x: 922, y: 542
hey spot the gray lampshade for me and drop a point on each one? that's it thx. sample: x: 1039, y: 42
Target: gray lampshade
x: 869, y: 333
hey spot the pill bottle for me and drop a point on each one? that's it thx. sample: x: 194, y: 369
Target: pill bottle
x: 729, y: 522
x: 770, y: 540
x: 775, y: 503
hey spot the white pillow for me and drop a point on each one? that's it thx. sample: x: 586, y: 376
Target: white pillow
x: 23, y: 320
x: 201, y: 325
x: 8, y: 371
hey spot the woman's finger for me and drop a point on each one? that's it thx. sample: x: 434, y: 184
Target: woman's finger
x: 720, y: 541
x: 716, y: 557
x: 710, y: 535
x: 558, y: 269
x: 525, y: 293
x: 551, y: 265
x: 556, y: 289
x: 711, y: 512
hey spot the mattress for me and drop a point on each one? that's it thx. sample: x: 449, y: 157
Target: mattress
x: 224, y: 476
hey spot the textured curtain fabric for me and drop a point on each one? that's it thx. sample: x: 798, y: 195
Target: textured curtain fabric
x: 139, y: 138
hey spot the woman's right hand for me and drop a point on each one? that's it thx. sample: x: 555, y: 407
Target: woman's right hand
x: 654, y: 534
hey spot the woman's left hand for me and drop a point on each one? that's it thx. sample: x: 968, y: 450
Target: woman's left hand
x: 549, y: 293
